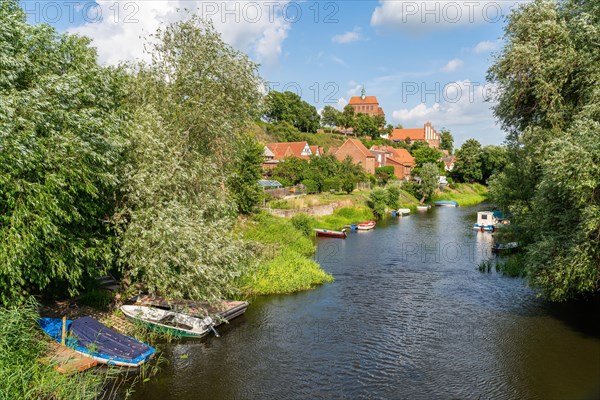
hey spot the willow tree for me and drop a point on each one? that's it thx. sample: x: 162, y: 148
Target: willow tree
x: 548, y: 74
x: 191, y: 102
x: 61, y: 123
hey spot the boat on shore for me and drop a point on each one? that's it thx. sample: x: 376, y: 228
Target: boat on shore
x: 90, y: 338
x: 165, y: 321
x: 366, y: 226
x: 403, y: 211
x: 446, y: 203
x: 331, y: 234
x: 424, y: 207
x: 223, y: 311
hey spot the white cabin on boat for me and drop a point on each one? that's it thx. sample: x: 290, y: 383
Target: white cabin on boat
x: 486, y: 218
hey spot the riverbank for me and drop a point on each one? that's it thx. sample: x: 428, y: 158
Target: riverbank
x: 465, y: 194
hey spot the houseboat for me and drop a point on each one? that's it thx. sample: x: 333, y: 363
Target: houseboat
x: 485, y: 221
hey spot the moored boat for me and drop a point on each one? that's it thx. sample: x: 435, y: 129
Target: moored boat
x: 90, y: 338
x: 365, y: 226
x: 423, y: 207
x: 165, y: 321
x: 403, y: 211
x: 224, y: 310
x: 505, y: 247
x: 332, y: 234
x: 485, y: 221
x: 446, y: 203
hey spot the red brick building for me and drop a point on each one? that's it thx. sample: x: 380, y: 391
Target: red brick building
x: 400, y: 159
x: 359, y: 154
x: 366, y: 105
x: 425, y: 134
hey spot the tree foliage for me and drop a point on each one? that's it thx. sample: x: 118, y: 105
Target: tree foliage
x: 330, y: 116
x: 191, y: 103
x: 289, y: 107
x: 467, y: 166
x: 61, y: 124
x: 550, y: 106
x: 429, y: 175
x: 446, y: 141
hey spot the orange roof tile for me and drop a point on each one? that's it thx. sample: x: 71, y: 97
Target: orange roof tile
x: 287, y: 149
x: 359, y: 100
x: 411, y: 133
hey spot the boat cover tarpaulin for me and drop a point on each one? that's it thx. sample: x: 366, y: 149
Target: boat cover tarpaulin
x: 92, y: 334
x: 89, y: 336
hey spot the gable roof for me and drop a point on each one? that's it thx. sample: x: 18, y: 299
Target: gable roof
x: 411, y: 133
x: 401, y: 156
x: 359, y: 145
x: 282, y: 150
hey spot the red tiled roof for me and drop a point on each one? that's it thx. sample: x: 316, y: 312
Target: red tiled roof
x: 287, y: 149
x: 403, y: 156
x: 411, y: 133
x: 359, y: 100
x: 360, y: 146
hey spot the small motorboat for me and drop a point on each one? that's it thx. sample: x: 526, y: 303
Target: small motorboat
x: 366, y: 226
x: 222, y: 311
x: 446, y: 203
x: 485, y: 221
x: 90, y: 338
x: 178, y: 324
x: 423, y: 207
x: 332, y: 234
x: 403, y: 211
x: 505, y: 247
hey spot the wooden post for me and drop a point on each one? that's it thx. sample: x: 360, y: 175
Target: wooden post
x: 64, y: 330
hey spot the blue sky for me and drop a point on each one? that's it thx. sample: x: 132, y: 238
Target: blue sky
x: 424, y: 60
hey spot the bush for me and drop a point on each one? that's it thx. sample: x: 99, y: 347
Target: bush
x: 393, y: 197
x: 377, y: 201
x: 311, y: 186
x: 348, y: 185
x: 333, y: 183
x: 302, y: 222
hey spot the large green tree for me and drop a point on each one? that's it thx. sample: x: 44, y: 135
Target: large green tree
x: 467, y: 166
x: 550, y: 107
x: 446, y: 141
x: 191, y: 104
x: 330, y: 116
x: 493, y: 160
x: 61, y: 137
x: 289, y: 107
x: 429, y: 175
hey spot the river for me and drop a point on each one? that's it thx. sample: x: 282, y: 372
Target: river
x: 409, y: 316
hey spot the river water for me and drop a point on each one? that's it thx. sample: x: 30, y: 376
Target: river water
x: 409, y: 316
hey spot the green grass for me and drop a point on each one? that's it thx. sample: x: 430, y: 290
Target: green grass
x: 513, y: 266
x: 342, y: 217
x: 284, y: 263
x: 23, y: 376
x: 407, y: 200
x: 465, y: 194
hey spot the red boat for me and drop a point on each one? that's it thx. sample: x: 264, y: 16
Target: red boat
x: 365, y: 226
x: 332, y: 234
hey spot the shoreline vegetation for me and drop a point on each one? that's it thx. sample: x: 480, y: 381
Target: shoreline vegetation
x: 286, y: 245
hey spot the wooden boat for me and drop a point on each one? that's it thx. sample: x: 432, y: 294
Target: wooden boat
x: 165, y: 321
x: 223, y: 311
x: 365, y: 226
x: 446, y: 203
x: 332, y: 234
x: 505, y: 247
x: 90, y: 338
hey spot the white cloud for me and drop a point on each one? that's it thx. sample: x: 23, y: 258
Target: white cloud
x: 462, y: 109
x: 420, y: 17
x: 347, y: 37
x: 341, y: 103
x: 340, y: 61
x: 257, y: 28
x: 354, y: 90
x: 486, y: 46
x: 452, y: 65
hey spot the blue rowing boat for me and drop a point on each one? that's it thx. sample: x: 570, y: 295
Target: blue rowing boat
x: 90, y: 338
x: 446, y: 203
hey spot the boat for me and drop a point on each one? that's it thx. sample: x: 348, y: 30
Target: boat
x: 90, y: 338
x: 165, y: 321
x: 403, y: 211
x: 446, y: 203
x: 486, y: 221
x: 505, y: 247
x: 365, y: 226
x: 332, y: 234
x: 423, y: 207
x: 223, y: 311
